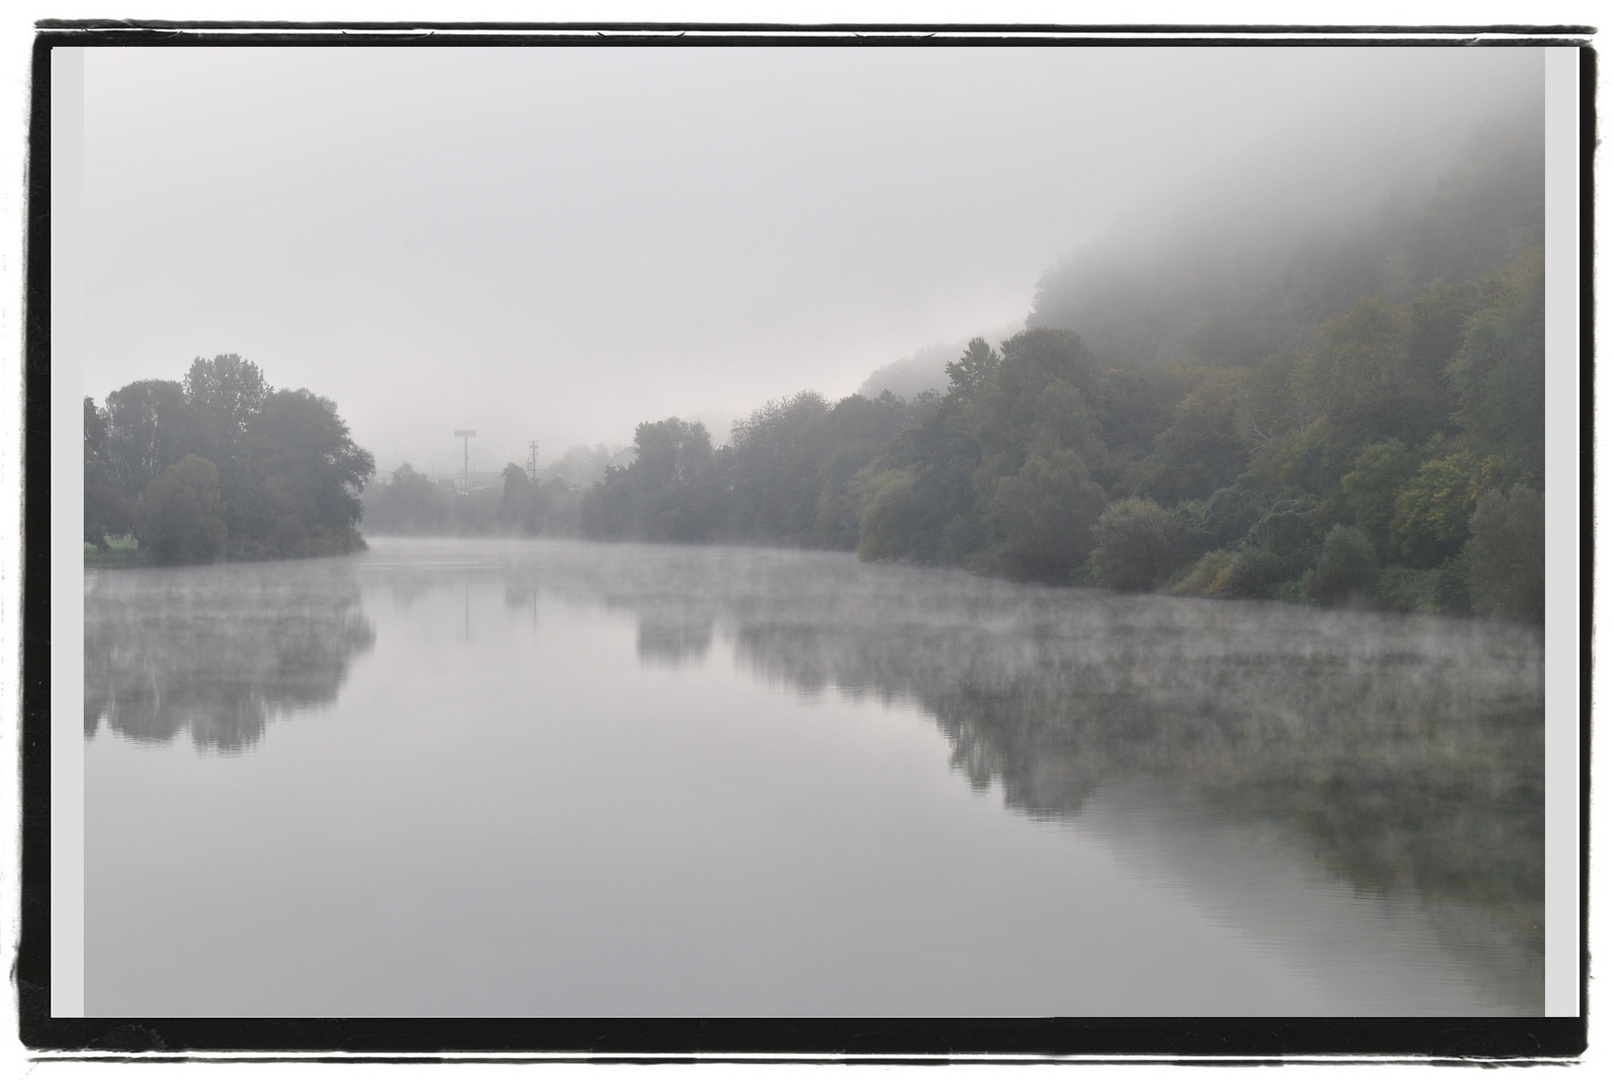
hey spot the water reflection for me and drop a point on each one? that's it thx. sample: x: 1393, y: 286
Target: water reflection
x: 217, y: 651
x: 1318, y: 781
x: 1405, y: 753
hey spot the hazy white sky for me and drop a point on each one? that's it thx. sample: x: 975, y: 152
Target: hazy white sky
x: 559, y: 243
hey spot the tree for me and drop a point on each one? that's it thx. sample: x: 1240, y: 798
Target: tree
x: 302, y: 478
x: 518, y: 504
x: 855, y: 432
x: 778, y: 453
x: 1346, y: 567
x: 976, y: 365
x: 1202, y: 450
x: 1500, y: 373
x: 671, y: 452
x: 148, y: 428
x: 1044, y: 515
x: 410, y: 502
x: 1433, y: 508
x: 1381, y: 471
x: 889, y: 515
x: 180, y: 519
x: 1506, y: 555
x: 1136, y: 545
x: 673, y: 490
x: 106, y: 508
x: 224, y: 394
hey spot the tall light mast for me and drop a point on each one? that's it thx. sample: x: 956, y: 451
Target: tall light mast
x: 467, y: 435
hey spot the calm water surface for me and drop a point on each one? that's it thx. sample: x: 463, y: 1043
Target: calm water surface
x: 463, y: 778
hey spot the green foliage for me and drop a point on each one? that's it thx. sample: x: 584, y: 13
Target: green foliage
x: 978, y: 362
x: 1203, y: 449
x: 672, y: 492
x: 223, y: 395
x: 1137, y: 404
x: 1136, y: 545
x: 1285, y: 531
x: 1309, y: 419
x: 1499, y: 374
x: 1438, y: 591
x: 889, y: 515
x: 181, y: 516
x: 671, y: 453
x: 1362, y: 376
x: 1373, y: 484
x: 1506, y: 554
x: 1227, y: 516
x: 853, y: 434
x: 1204, y: 576
x: 1347, y: 566
x: 301, y: 478
x: 285, y: 475
x: 1432, y: 510
x: 778, y: 451
x: 106, y: 507
x: 148, y: 428
x: 120, y: 551
x: 1253, y: 572
x: 1040, y: 392
x: 409, y: 503
x: 1044, y: 514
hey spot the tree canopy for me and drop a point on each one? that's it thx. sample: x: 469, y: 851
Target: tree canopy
x: 222, y: 465
x: 1352, y: 415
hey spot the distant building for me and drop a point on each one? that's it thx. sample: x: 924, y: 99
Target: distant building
x: 624, y: 459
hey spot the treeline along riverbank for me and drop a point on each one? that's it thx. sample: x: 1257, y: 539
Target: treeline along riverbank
x: 1353, y: 416
x: 220, y: 465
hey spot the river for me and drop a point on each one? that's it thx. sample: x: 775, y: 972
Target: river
x: 544, y: 778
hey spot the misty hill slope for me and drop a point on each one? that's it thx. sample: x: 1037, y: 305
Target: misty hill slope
x: 1249, y: 269
x: 925, y: 369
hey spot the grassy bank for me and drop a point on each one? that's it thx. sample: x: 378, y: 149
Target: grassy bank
x: 120, y: 551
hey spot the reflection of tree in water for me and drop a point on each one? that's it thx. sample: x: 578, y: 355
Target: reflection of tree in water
x: 217, y: 651
x: 1413, y: 748
x: 1408, y: 751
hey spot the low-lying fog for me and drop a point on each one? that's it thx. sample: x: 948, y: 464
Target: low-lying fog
x: 557, y: 244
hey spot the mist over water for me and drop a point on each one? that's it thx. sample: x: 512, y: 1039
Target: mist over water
x: 553, y: 778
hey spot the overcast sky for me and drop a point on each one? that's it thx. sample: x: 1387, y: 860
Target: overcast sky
x: 557, y: 244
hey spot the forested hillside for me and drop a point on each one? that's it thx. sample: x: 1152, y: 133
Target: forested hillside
x: 1354, y: 414
x: 221, y: 466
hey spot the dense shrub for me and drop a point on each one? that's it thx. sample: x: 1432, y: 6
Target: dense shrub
x: 889, y: 511
x: 181, y: 517
x: 1252, y: 573
x: 1045, y: 513
x: 1136, y: 541
x: 1347, y: 566
x: 1507, y: 554
x: 1201, y: 579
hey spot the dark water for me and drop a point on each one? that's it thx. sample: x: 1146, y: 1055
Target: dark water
x: 504, y: 779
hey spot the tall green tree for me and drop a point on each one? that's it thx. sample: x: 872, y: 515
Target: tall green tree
x: 106, y: 506
x: 181, y: 517
x: 148, y: 428
x: 303, y: 476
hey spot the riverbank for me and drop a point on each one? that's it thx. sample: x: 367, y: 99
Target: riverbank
x: 120, y: 552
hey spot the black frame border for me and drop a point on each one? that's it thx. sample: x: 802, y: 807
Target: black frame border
x: 881, y: 1041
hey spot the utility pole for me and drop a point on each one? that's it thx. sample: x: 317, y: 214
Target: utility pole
x: 467, y: 435
x: 532, y: 461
